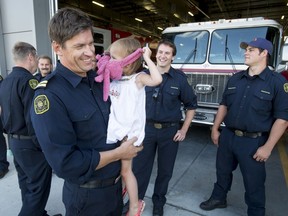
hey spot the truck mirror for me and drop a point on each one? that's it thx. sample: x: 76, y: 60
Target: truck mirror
x: 284, y: 53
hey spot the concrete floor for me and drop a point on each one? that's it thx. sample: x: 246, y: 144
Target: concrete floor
x: 192, y: 182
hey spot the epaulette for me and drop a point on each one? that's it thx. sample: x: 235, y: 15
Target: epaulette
x: 42, y: 84
x: 180, y: 72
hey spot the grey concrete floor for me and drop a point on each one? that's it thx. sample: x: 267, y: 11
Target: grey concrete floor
x: 192, y: 183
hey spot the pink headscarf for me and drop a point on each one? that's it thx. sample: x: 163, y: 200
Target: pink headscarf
x: 113, y: 69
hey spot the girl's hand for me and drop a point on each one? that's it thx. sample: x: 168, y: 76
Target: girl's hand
x: 146, y: 53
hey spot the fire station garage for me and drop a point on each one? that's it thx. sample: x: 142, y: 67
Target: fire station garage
x: 207, y: 35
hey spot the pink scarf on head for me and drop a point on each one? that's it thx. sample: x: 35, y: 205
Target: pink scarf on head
x: 113, y: 69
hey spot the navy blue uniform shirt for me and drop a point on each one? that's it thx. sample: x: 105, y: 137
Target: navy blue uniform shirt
x: 70, y: 120
x: 39, y: 76
x: 16, y: 94
x: 163, y: 102
x: 254, y: 103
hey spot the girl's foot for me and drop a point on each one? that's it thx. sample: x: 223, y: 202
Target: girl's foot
x: 141, y: 206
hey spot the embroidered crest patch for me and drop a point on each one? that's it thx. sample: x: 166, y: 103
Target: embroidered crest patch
x: 286, y: 87
x: 33, y: 83
x: 41, y: 104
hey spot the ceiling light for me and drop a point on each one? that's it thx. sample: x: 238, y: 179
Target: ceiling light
x: 139, y: 20
x: 176, y: 15
x: 190, y: 13
x: 97, y: 3
x: 282, y: 17
x: 160, y: 28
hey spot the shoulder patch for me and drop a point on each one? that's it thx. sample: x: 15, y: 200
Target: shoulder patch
x: 42, y: 84
x: 1, y: 78
x: 41, y: 104
x: 285, y: 86
x: 33, y: 83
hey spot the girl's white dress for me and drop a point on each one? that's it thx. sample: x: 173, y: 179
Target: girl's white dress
x: 127, y: 112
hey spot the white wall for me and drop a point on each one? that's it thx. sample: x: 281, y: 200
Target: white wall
x: 23, y: 20
x: 17, y: 25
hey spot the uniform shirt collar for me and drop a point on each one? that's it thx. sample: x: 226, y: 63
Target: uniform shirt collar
x: 20, y: 69
x: 70, y: 76
x: 171, y: 72
x: 262, y: 75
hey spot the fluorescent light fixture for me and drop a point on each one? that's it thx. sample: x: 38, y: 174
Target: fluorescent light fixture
x: 282, y: 17
x: 97, y: 3
x: 139, y: 20
x: 160, y: 28
x: 176, y: 15
x: 190, y: 13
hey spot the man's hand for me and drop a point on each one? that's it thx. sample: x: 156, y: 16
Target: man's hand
x: 215, y: 134
x: 262, y: 154
x: 179, y: 136
x: 128, y: 150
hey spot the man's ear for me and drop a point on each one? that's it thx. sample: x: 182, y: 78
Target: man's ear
x: 57, y: 48
x: 265, y: 52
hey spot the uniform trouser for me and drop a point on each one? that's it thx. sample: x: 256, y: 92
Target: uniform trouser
x: 234, y: 150
x: 34, y: 176
x: 106, y: 201
x: 160, y: 140
x: 3, y: 153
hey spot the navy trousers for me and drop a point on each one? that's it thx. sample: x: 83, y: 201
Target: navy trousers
x: 234, y: 150
x: 106, y: 201
x: 160, y: 141
x: 4, y: 164
x: 34, y: 176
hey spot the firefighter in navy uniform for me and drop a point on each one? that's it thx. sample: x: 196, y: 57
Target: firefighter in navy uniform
x: 16, y: 95
x: 70, y: 120
x: 254, y: 109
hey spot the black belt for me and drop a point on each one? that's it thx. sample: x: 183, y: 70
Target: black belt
x: 100, y: 183
x: 159, y: 125
x: 248, y: 134
x: 20, y: 137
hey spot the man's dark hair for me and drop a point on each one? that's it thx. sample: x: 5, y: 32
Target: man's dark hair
x: 45, y: 57
x: 67, y: 23
x: 168, y: 43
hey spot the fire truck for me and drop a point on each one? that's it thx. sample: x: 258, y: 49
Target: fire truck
x: 209, y: 53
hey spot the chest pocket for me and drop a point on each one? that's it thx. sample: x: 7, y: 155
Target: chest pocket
x: 230, y: 96
x: 149, y: 91
x: 262, y: 102
x: 82, y: 121
x: 171, y: 97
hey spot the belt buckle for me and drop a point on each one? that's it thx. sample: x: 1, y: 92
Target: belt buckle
x: 239, y: 133
x: 158, y: 125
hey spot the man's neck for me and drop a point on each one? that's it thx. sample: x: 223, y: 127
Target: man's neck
x: 163, y: 70
x: 256, y: 70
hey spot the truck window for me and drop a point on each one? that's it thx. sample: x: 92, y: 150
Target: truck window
x: 224, y: 48
x: 191, y: 46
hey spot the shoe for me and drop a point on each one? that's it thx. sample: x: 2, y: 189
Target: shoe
x: 3, y: 173
x: 211, y: 204
x: 157, y: 211
x: 141, y: 206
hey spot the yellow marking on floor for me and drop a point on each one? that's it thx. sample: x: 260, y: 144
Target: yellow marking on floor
x: 283, y: 157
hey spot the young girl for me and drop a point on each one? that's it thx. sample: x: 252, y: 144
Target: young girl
x: 127, y: 94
